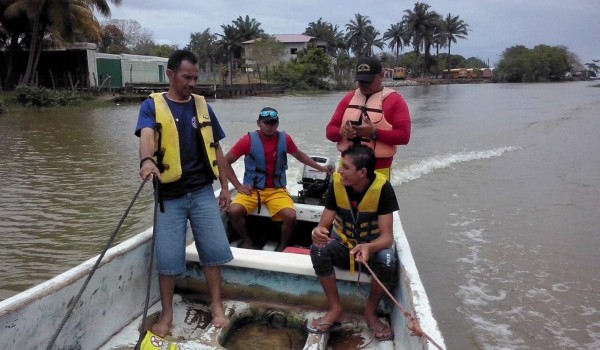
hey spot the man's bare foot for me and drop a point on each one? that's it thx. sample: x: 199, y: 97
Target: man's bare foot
x: 246, y: 244
x: 220, y: 320
x: 162, y: 327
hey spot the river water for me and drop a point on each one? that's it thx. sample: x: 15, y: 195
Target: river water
x: 498, y: 191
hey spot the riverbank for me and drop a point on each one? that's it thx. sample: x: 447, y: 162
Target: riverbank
x: 9, y: 103
x: 93, y: 100
x: 434, y: 81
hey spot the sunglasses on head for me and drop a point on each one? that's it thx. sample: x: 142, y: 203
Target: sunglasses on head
x: 271, y: 122
x: 272, y: 114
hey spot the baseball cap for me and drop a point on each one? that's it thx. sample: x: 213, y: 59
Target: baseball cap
x: 367, y: 68
x: 268, y: 113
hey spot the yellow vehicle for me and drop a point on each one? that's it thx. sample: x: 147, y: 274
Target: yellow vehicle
x: 399, y: 73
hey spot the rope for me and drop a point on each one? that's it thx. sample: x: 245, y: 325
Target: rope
x: 413, y: 323
x: 149, y: 284
x: 96, y: 265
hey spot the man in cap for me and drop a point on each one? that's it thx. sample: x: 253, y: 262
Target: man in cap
x: 265, y: 158
x: 373, y: 115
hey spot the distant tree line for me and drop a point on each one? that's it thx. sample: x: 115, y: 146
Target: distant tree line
x: 426, y: 37
x: 542, y: 63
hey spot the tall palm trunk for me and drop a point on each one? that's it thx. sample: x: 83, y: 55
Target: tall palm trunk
x: 32, y: 47
x: 14, y: 45
x: 426, y: 58
x: 448, y: 60
x: 36, y: 43
x: 38, y: 51
x: 437, y: 61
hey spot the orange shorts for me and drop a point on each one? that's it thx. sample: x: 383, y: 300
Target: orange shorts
x: 275, y: 199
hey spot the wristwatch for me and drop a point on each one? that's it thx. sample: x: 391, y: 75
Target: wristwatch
x: 374, y: 135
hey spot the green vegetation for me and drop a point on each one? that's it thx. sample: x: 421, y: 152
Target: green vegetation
x: 306, y: 72
x: 26, y: 25
x: 593, y: 68
x: 264, y: 53
x: 46, y: 98
x: 542, y: 63
x: 41, y: 97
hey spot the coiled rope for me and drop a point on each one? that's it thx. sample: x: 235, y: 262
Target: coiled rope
x: 96, y: 265
x: 413, y: 323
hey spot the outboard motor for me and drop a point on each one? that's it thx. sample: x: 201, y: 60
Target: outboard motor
x: 315, y: 183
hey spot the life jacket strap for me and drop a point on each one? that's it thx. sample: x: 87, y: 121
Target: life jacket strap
x: 349, y: 243
x: 160, y: 151
x: 365, y: 108
x: 160, y: 154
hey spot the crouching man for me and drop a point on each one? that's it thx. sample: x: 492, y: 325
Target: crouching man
x: 359, y: 206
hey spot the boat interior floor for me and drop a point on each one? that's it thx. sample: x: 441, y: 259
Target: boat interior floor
x: 193, y: 328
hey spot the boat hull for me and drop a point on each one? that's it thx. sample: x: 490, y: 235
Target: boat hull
x: 113, y: 298
x: 108, y: 314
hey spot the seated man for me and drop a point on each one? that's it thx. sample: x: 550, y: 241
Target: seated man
x: 265, y: 152
x: 359, y: 205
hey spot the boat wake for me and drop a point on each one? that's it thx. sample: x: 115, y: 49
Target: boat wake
x: 428, y: 165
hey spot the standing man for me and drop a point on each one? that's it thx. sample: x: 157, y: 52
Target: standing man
x: 359, y: 205
x: 373, y: 115
x: 179, y: 145
x: 265, y: 160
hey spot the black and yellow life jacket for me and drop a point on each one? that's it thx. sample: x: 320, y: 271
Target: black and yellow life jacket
x: 362, y: 226
x: 166, y: 142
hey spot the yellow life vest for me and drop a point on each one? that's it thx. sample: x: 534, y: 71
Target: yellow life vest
x: 373, y: 107
x: 362, y: 226
x: 168, y: 137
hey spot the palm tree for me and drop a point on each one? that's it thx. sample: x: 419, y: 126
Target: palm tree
x: 439, y: 41
x: 233, y: 36
x: 420, y: 24
x: 56, y: 20
x: 326, y: 31
x: 319, y: 29
x: 230, y: 42
x: 15, y: 29
x: 248, y: 28
x: 455, y: 28
x: 356, y: 31
x: 398, y: 36
x: 371, y: 40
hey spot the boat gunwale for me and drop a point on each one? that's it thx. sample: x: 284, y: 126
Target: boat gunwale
x: 72, y: 275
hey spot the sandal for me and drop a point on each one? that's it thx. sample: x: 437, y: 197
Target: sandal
x: 329, y: 326
x: 380, y: 330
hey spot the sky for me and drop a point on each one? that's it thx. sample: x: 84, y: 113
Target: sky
x: 494, y: 25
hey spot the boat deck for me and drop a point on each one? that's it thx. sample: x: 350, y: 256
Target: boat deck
x: 193, y: 328
x: 192, y: 324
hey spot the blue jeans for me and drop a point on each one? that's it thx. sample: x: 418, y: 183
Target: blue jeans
x: 201, y: 209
